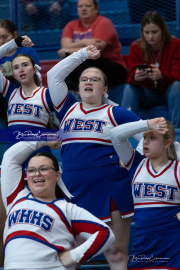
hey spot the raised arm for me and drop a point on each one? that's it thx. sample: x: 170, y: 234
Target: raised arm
x: 12, y: 181
x: 23, y: 41
x: 57, y: 75
x: 120, y: 135
x: 97, y: 234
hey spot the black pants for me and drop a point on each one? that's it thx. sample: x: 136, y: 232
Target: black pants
x: 116, y: 74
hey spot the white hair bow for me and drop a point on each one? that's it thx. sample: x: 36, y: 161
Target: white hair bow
x: 108, y: 101
x: 63, y: 187
x: 38, y: 73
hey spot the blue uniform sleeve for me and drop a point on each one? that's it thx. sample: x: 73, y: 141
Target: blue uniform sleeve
x: 11, y: 88
x: 123, y: 116
x: 49, y: 101
x: 136, y: 161
x: 68, y: 103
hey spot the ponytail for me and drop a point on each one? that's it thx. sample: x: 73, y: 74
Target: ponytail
x: 171, y: 152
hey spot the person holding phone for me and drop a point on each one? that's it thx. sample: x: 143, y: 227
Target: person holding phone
x: 154, y: 69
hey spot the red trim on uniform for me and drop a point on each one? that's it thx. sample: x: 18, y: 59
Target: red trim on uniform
x: 127, y: 213
x: 13, y: 95
x: 26, y: 121
x: 138, y: 172
x: 155, y: 176
x: 113, y: 206
x: 149, y: 203
x: 127, y: 165
x: 91, y: 228
x: 59, y: 106
x: 42, y: 97
x: 94, y: 110
x: 86, y: 139
x: 110, y: 117
x: 175, y: 174
x: 21, y: 200
x: 155, y: 267
x: 59, y: 213
x: 104, y: 218
x: 67, y: 116
x: 11, y: 197
x: 4, y: 89
x: 28, y: 97
x: 33, y: 235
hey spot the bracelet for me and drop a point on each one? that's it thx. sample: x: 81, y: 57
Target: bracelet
x: 67, y: 52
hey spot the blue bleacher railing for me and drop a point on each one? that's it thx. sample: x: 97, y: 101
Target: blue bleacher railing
x: 125, y: 14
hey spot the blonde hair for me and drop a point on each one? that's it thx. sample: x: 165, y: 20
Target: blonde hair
x: 171, y: 134
x: 103, y: 74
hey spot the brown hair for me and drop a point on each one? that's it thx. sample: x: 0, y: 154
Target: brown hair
x: 36, y: 78
x: 171, y: 134
x: 58, y: 192
x: 155, y: 18
x: 8, y: 25
x: 96, y: 6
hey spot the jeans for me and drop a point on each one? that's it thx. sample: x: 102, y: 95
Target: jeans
x: 139, y: 97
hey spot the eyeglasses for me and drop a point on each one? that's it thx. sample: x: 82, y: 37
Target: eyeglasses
x: 43, y: 170
x: 94, y: 80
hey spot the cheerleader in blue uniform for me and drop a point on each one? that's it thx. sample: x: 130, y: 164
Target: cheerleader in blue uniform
x: 156, y: 192
x: 90, y: 169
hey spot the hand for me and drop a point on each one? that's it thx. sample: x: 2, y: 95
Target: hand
x: 155, y: 74
x: 27, y: 42
x: 121, y: 164
x: 158, y: 124
x: 178, y: 216
x: 93, y: 52
x: 140, y: 75
x: 54, y: 145
x: 62, y: 53
x: 2, y: 69
x: 66, y: 259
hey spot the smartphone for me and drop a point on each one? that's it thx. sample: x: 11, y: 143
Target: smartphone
x: 142, y: 66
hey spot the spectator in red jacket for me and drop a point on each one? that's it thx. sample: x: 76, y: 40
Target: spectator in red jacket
x: 159, y: 82
x: 93, y: 29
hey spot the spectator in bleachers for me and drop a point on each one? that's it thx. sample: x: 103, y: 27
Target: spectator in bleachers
x: 159, y: 82
x: 93, y: 29
x: 8, y: 32
x: 47, y: 14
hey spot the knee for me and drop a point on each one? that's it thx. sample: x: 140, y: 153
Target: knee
x: 129, y: 89
x: 174, y: 90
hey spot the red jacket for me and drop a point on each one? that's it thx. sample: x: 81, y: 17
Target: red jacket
x: 169, y: 60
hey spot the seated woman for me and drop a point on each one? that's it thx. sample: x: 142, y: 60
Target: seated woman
x: 156, y: 193
x: 158, y: 82
x: 93, y: 29
x: 39, y: 220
